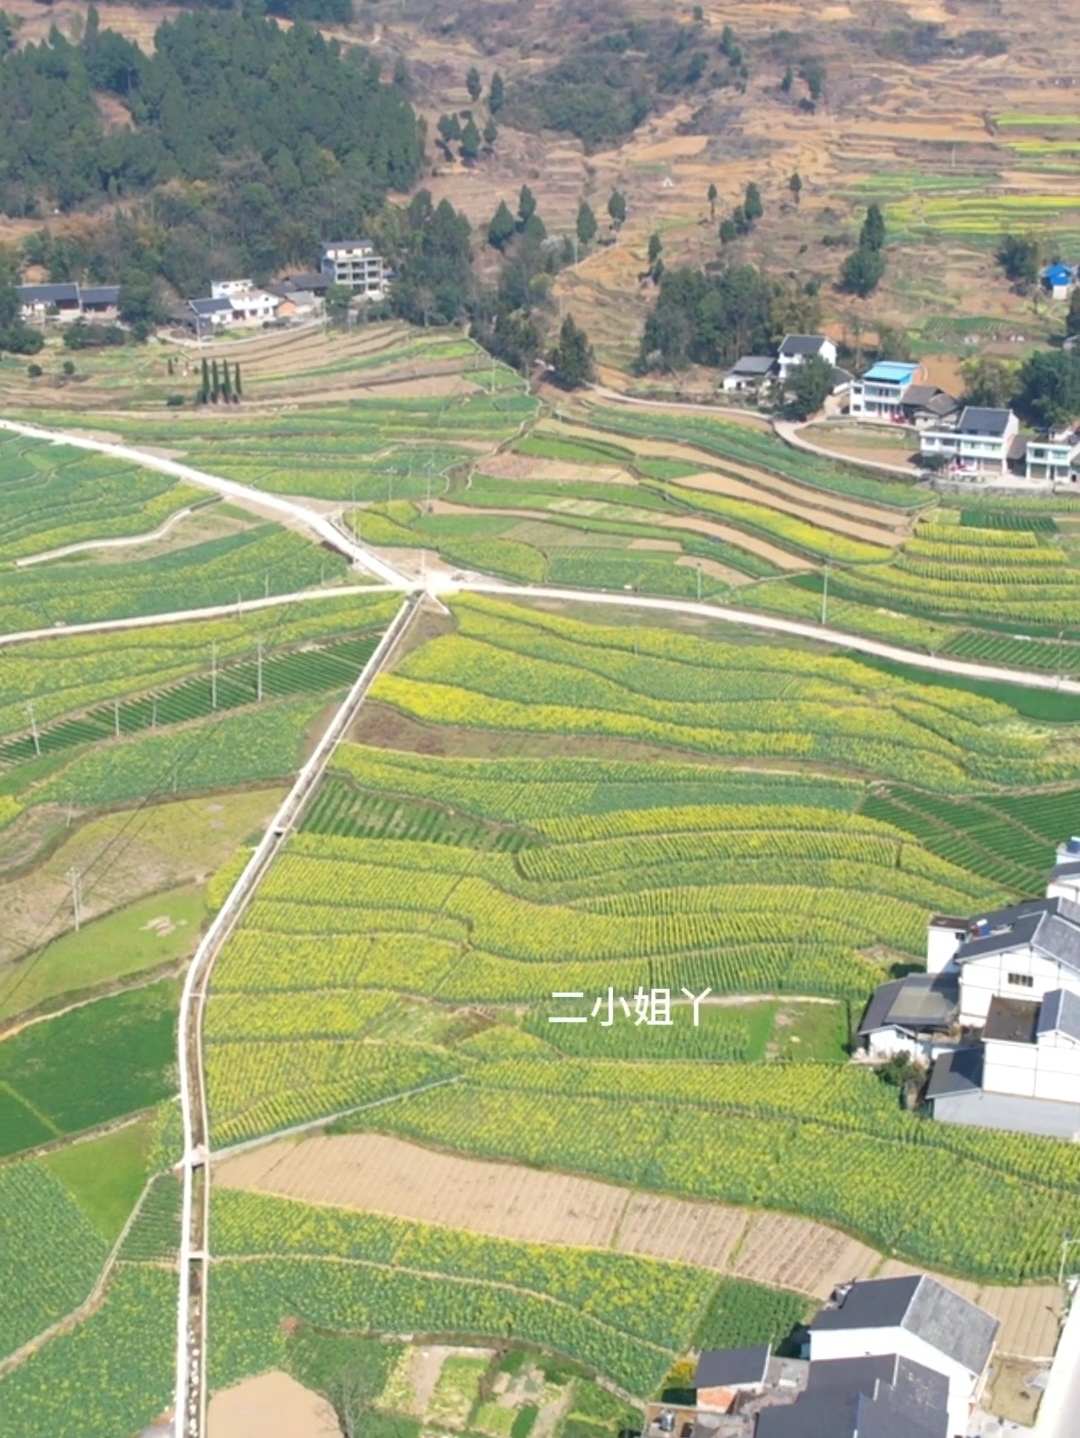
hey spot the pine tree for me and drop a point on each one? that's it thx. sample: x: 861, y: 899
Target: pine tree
x: 204, y: 392
x: 473, y: 84
x: 712, y: 196
x: 470, y: 142
x: 491, y: 133
x: 502, y: 226
x: 236, y: 383
x: 795, y: 186
x: 752, y: 206
x: 572, y: 357
x: 496, y: 93
x: 226, y: 385
x: 616, y: 208
x: 215, y: 383
x: 586, y: 223
x: 526, y: 206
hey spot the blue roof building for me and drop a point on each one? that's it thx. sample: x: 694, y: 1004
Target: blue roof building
x: 879, y: 393
x: 1058, y: 279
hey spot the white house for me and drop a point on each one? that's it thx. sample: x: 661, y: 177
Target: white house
x: 918, y: 1015
x: 797, y: 348
x: 979, y: 443
x: 357, y: 264
x: 879, y: 394
x: 1055, y: 455
x: 748, y: 374
x: 67, y: 301
x: 251, y: 307
x: 915, y: 1318
x: 998, y: 1012
x: 222, y: 289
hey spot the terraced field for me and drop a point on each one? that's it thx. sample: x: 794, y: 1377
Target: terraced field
x: 770, y: 863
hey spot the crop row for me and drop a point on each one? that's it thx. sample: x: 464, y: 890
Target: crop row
x: 52, y: 495
x: 73, y: 672
x: 112, y: 1373
x: 247, y: 565
x: 881, y: 1188
x: 312, y: 670
x: 340, y: 809
x: 602, y: 1285
x: 50, y: 1254
x: 1017, y: 650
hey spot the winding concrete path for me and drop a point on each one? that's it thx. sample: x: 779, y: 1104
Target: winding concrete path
x: 316, y: 524
x: 125, y: 542
x: 801, y: 629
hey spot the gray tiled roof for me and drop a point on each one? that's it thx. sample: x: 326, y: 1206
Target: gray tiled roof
x: 1050, y: 926
x: 921, y: 1001
x: 47, y: 294
x: 211, y: 307
x: 874, y: 1397
x: 721, y: 1367
x: 753, y: 364
x: 977, y: 419
x: 1060, y: 1013
x: 801, y: 345
x: 925, y: 1308
x: 99, y: 294
x: 960, y: 1071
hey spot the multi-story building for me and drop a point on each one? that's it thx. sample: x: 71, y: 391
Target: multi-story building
x: 879, y: 394
x: 357, y: 264
x: 796, y: 348
x: 1054, y: 455
x: 980, y: 442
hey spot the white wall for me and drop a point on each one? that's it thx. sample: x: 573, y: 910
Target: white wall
x: 981, y: 979
x: 1049, y: 1069
x: 941, y: 945
x: 876, y: 1342
x: 1065, y: 889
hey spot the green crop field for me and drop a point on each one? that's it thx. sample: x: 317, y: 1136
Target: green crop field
x: 367, y: 1273
x: 93, y: 1064
x: 777, y: 862
x: 55, y: 495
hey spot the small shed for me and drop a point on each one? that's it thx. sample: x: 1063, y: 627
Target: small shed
x: 723, y: 1373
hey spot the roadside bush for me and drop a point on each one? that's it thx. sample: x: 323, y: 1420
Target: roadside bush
x: 20, y: 339
x: 83, y: 336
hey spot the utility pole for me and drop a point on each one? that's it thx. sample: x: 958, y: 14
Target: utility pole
x: 116, y: 718
x: 153, y: 714
x: 699, y: 581
x: 825, y: 594
x: 213, y: 675
x: 266, y: 584
x: 258, y: 685
x: 1061, y: 656
x: 34, y: 728
x: 74, y: 878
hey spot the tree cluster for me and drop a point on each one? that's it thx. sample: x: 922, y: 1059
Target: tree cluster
x: 252, y: 142
x: 743, y: 217
x: 218, y: 384
x: 84, y: 335
x: 1021, y: 257
x: 863, y: 268
x: 504, y: 226
x: 434, y: 282
x: 615, y: 74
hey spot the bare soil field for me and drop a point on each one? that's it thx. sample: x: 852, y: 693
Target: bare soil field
x: 387, y: 1175
x: 505, y: 465
x: 272, y: 1403
x: 713, y: 483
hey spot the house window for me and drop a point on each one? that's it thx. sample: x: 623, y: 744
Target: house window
x: 1021, y: 981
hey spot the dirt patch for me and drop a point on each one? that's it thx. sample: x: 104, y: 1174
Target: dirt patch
x: 731, y: 488
x: 1011, y: 1395
x: 671, y: 546
x: 431, y: 387
x: 272, y: 1403
x: 552, y: 471
x: 874, y: 444
x: 379, y: 1173
x: 715, y: 568
x: 750, y: 542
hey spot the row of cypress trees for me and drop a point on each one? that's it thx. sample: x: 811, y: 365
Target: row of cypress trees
x: 220, y: 385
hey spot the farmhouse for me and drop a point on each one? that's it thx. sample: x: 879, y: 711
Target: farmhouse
x: 919, y: 1320
x: 925, y: 405
x: 357, y: 264
x: 796, y: 348
x: 59, y: 302
x: 980, y: 442
x: 1054, y: 455
x: 997, y: 1012
x: 885, y: 1358
x: 723, y: 1373
x: 879, y: 394
x: 748, y: 374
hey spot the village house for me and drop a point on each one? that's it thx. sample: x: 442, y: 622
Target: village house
x: 925, y: 406
x: 981, y: 441
x: 885, y: 1358
x: 357, y: 264
x: 795, y: 349
x: 997, y: 1012
x: 1055, y: 455
x: 749, y: 374
x: 919, y: 1320
x: 59, y: 302
x: 880, y: 392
